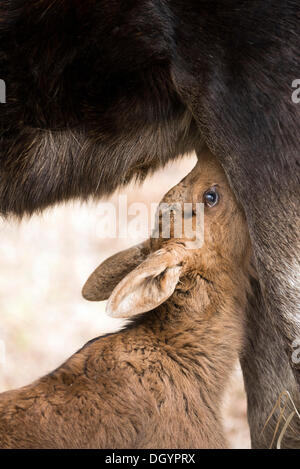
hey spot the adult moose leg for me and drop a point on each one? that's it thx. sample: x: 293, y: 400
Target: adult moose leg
x: 265, y: 367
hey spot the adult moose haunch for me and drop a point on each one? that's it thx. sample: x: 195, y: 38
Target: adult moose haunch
x: 99, y: 92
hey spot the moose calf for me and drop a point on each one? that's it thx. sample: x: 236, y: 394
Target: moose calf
x: 159, y: 382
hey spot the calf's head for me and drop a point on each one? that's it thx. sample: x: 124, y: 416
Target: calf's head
x: 143, y: 277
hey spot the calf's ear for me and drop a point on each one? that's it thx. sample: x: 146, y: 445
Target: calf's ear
x: 106, y: 277
x: 147, y: 286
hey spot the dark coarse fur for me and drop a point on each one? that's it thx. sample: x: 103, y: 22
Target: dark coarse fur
x: 102, y: 91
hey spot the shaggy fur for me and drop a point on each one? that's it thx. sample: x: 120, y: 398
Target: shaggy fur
x: 159, y: 383
x: 99, y: 92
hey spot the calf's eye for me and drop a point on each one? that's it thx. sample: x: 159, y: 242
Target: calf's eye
x: 211, y: 197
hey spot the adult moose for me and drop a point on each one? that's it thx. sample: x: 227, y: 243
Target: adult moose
x: 102, y: 91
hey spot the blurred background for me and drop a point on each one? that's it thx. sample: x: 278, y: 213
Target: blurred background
x: 44, y: 263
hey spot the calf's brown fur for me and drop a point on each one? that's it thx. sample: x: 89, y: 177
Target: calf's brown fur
x: 159, y: 383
